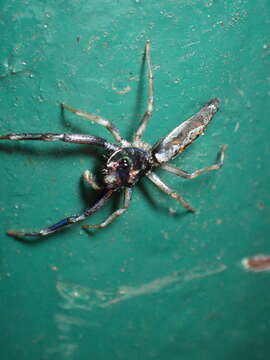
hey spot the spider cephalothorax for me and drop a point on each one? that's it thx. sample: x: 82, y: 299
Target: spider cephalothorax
x: 129, y: 161
x: 125, y: 167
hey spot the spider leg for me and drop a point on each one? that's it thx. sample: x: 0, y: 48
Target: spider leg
x: 165, y: 188
x: 115, y: 214
x: 174, y: 170
x: 90, y: 179
x: 70, y: 138
x: 148, y: 113
x: 99, y: 120
x: 67, y: 221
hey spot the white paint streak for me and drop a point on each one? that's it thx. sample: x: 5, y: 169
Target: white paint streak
x: 85, y: 298
x: 65, y: 324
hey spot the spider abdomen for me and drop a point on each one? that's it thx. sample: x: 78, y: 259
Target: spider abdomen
x: 183, y: 135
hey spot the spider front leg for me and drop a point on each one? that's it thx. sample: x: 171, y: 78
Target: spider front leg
x: 165, y: 188
x: 68, y: 138
x: 115, y: 214
x: 150, y: 104
x: 174, y: 170
x: 67, y: 221
x: 98, y: 120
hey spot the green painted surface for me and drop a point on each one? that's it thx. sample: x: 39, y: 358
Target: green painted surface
x: 154, y: 285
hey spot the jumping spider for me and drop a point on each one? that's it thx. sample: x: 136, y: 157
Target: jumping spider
x: 129, y: 161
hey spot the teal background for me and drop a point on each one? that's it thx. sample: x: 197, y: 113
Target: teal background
x: 158, y: 283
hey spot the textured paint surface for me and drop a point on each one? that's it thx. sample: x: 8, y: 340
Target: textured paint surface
x: 88, y: 54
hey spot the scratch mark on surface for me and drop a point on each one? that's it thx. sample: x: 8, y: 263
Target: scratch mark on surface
x: 257, y: 263
x: 91, y: 42
x: 236, y: 127
x: 187, y: 56
x: 123, y: 91
x: 69, y: 321
x: 65, y: 349
x: 77, y: 296
x: 191, y: 44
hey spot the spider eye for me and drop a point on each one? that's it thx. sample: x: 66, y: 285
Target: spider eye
x: 124, y: 163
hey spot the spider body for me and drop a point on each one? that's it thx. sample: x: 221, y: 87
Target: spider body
x: 127, y: 161
x: 126, y: 166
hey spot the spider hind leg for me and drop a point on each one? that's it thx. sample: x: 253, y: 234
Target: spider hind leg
x: 179, y: 172
x: 165, y: 188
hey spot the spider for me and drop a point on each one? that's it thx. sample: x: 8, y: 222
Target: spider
x: 128, y: 161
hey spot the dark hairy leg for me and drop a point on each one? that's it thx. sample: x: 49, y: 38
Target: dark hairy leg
x: 67, y: 221
x: 69, y: 138
x: 115, y: 214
